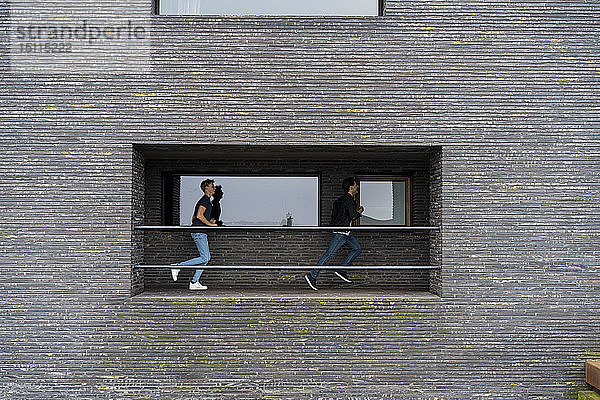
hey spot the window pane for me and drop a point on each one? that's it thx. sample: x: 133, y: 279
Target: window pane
x: 384, y: 202
x: 270, y: 7
x: 266, y: 201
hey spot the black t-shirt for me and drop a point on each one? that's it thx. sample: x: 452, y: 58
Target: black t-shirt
x: 204, y: 201
x: 216, y: 212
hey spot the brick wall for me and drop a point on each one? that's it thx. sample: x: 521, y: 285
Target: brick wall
x: 435, y: 219
x: 510, y: 90
x: 137, y: 237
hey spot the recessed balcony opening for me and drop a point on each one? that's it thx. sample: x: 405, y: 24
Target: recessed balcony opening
x: 276, y: 212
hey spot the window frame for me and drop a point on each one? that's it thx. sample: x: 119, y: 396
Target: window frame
x: 408, y: 195
x: 177, y: 175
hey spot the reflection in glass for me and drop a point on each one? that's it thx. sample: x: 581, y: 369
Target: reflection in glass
x: 257, y: 200
x: 270, y: 7
x: 384, y: 202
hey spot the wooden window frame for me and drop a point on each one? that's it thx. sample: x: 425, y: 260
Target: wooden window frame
x: 408, y: 194
x: 169, y: 185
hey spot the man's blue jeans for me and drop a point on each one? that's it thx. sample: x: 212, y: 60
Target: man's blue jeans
x: 337, y: 242
x: 202, y: 243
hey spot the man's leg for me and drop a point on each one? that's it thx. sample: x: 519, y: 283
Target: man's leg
x: 200, y: 260
x: 201, y: 240
x: 336, y: 243
x: 355, y: 251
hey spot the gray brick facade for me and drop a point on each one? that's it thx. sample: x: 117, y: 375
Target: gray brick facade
x: 506, y: 91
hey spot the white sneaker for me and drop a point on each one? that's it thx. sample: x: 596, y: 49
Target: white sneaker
x: 197, y: 286
x: 174, y: 273
x: 343, y: 275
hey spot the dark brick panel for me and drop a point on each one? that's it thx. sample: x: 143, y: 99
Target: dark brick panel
x: 298, y: 248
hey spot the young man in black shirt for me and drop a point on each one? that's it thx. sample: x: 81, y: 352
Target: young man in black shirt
x: 201, y: 217
x: 343, y: 214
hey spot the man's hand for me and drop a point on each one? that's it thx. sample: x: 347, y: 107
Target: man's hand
x: 361, y: 209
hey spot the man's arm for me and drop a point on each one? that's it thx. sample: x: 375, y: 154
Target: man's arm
x: 201, y: 217
x: 354, y: 214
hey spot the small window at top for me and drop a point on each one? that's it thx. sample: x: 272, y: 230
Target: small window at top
x: 271, y: 7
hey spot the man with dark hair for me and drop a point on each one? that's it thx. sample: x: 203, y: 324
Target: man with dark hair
x: 216, y: 205
x: 201, y: 217
x: 343, y: 214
